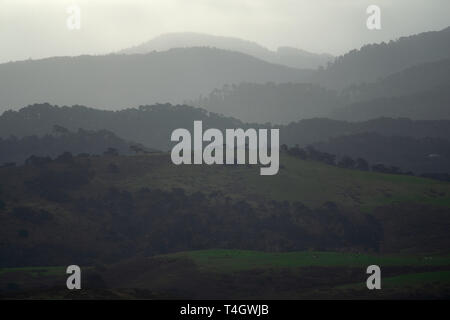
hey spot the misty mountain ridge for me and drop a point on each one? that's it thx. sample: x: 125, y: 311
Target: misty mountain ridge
x: 152, y: 125
x: 375, y: 61
x: 117, y: 81
x: 60, y: 140
x: 270, y: 102
x: 423, y: 77
x: 421, y: 92
x: 423, y: 105
x: 416, y: 66
x: 288, y: 56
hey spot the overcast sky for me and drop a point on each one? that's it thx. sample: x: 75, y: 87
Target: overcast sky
x: 37, y: 28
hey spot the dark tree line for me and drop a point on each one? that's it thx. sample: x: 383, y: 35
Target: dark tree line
x: 153, y: 221
x: 311, y: 153
x: 17, y: 150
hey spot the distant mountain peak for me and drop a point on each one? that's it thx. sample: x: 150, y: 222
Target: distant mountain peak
x: 288, y: 56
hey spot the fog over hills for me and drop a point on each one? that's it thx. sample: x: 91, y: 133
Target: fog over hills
x: 420, y: 92
x: 270, y: 102
x: 118, y: 81
x: 363, y: 83
x: 163, y: 164
x: 374, y: 61
x: 291, y: 57
x: 152, y: 125
x: 426, y: 105
x: 419, y: 78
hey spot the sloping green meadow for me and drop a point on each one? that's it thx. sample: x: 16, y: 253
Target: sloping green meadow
x: 309, y: 182
x: 239, y: 260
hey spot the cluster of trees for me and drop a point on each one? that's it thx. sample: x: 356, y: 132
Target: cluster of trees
x: 419, y: 155
x: 416, y: 146
x: 174, y: 220
x: 53, y: 184
x: 17, y: 150
x: 151, y: 221
x: 108, y: 223
x: 311, y: 153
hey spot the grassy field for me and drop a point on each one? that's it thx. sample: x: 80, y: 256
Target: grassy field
x: 251, y: 274
x: 239, y: 260
x: 329, y: 274
x: 36, y: 271
x: 309, y: 182
x: 222, y: 260
x: 404, y: 230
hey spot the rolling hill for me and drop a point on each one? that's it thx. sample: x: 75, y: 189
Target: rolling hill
x: 420, y: 78
x: 152, y: 125
x: 118, y: 81
x: 60, y: 140
x: 420, y: 92
x: 240, y: 274
x: 147, y: 205
x: 423, y: 105
x: 374, y: 61
x: 271, y: 102
x: 422, y: 155
x: 288, y: 56
x: 310, y: 229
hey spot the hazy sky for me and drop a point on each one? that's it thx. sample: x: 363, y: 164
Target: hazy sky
x: 37, y: 28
